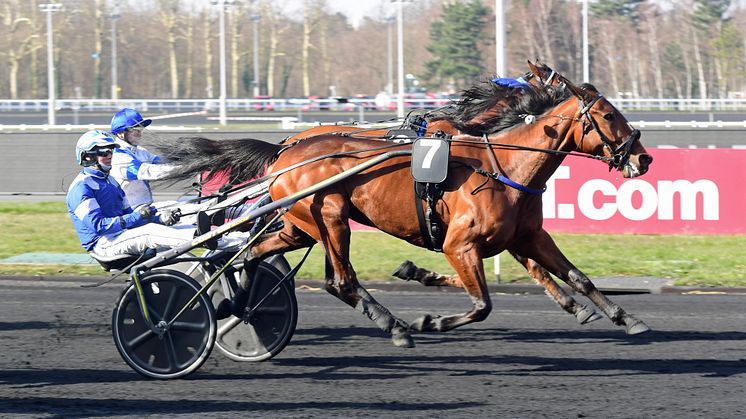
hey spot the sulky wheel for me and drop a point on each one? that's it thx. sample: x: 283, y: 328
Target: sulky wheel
x: 184, y: 346
x: 272, y: 321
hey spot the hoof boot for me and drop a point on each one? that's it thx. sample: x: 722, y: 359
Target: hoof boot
x: 637, y: 328
x: 401, y: 338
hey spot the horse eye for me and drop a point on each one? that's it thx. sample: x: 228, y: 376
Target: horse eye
x: 609, y: 117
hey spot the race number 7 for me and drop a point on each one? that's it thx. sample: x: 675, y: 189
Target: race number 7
x: 433, y: 146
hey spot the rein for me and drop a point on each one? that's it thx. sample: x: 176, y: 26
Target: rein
x: 504, y: 146
x: 297, y: 165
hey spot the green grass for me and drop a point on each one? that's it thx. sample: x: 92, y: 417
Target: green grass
x: 689, y: 260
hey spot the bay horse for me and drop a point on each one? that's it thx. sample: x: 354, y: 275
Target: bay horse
x: 477, y: 109
x: 481, y: 215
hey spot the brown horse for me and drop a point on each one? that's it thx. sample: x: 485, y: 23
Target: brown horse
x: 481, y: 215
x: 474, y: 113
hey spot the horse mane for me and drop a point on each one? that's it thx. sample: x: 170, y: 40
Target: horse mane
x: 533, y: 101
x: 487, y: 108
x: 243, y: 158
x: 478, y: 99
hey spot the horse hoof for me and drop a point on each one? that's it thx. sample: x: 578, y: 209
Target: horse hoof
x: 587, y: 315
x: 637, y: 327
x: 401, y: 338
x: 405, y: 271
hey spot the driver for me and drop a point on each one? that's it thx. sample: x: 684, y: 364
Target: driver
x: 133, y: 165
x: 102, y: 217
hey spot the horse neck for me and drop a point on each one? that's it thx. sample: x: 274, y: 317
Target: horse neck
x: 556, y: 130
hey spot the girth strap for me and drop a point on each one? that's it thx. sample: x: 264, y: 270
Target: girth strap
x: 430, y: 229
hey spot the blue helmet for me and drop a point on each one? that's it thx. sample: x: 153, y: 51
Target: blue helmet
x: 127, y: 118
x: 89, y: 143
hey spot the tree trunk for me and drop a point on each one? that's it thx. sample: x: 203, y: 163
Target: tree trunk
x: 528, y: 35
x: 655, y: 57
x: 208, y: 56
x: 607, y: 43
x: 688, y: 68
x: 306, y: 48
x: 13, y: 76
x: 542, y: 22
x: 98, y: 30
x: 189, y: 70
x: 633, y: 55
x: 172, y: 63
x: 235, y: 56
x: 325, y: 60
x: 700, y: 65
x: 34, y: 70
x: 271, y: 59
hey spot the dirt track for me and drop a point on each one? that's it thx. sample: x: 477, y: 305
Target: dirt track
x: 528, y: 359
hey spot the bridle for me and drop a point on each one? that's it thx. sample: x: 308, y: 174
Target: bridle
x: 619, y: 154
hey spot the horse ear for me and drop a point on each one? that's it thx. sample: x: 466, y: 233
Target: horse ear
x: 533, y: 68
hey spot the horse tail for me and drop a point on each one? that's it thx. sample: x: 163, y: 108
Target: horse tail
x: 243, y: 158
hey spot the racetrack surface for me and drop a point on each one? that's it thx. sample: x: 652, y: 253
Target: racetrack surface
x: 528, y: 359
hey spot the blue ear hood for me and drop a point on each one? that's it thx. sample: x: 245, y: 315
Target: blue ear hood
x: 518, y: 83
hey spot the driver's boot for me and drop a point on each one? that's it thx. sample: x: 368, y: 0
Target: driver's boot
x: 237, y: 304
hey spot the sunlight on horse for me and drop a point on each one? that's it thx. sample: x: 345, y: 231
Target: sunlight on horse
x: 481, y: 212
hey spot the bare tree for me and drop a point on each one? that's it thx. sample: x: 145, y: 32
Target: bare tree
x: 98, y: 30
x: 21, y: 41
x: 237, y: 12
x: 207, y: 32
x: 543, y: 18
x: 651, y: 20
x: 312, y: 18
x: 272, y: 20
x: 189, y: 70
x: 170, y: 12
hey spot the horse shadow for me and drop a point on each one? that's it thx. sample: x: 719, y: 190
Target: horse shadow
x: 523, y: 364
x: 324, y: 335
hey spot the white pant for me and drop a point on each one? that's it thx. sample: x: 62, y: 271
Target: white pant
x: 159, y: 237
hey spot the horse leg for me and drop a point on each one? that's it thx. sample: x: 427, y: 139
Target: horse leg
x: 408, y: 271
x: 468, y: 266
x: 341, y: 280
x: 582, y: 313
x: 287, y: 239
x: 543, y: 249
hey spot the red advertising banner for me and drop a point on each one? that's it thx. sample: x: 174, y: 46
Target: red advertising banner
x: 686, y: 191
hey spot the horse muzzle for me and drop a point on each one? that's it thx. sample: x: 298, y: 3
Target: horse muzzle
x: 637, y: 165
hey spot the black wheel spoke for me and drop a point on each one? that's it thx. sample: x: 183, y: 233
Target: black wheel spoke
x: 170, y: 350
x: 271, y: 310
x: 188, y: 326
x: 173, y: 298
x: 140, y: 339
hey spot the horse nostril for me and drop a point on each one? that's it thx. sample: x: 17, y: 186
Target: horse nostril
x: 645, y: 160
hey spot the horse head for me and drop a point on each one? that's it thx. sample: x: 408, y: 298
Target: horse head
x: 607, y: 133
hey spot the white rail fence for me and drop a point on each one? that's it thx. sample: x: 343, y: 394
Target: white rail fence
x: 334, y: 104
